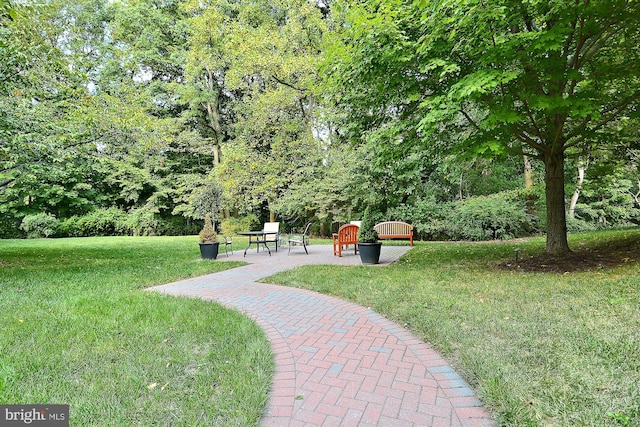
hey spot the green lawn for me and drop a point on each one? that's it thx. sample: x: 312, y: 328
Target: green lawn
x: 540, y: 349
x: 78, y: 329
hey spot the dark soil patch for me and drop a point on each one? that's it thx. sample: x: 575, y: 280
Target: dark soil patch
x: 605, y: 255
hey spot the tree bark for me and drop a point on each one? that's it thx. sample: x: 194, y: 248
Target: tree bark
x: 213, y: 115
x: 530, y: 198
x: 557, y: 243
x: 576, y: 194
x: 636, y: 195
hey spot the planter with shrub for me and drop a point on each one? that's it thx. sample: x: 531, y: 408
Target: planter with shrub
x: 368, y: 245
x: 209, y: 244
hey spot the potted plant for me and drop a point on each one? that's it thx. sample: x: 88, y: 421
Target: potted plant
x: 208, y: 239
x: 368, y: 245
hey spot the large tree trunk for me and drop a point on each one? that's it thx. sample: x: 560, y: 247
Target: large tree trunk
x: 557, y: 243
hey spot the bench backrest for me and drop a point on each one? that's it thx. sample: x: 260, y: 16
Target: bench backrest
x: 393, y: 228
x: 348, y: 234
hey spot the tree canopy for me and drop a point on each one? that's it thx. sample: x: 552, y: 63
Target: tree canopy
x: 544, y: 79
x: 301, y: 110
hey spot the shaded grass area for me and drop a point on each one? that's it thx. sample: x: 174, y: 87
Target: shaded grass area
x: 79, y: 329
x: 541, y: 349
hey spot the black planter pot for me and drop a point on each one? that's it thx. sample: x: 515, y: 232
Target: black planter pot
x: 370, y: 252
x: 209, y: 250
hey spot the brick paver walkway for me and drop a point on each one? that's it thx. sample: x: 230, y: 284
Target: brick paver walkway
x: 338, y: 364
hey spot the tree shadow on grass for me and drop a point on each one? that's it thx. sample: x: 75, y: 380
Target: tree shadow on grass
x: 605, y: 255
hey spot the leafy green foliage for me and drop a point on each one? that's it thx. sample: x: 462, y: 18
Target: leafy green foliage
x: 143, y: 222
x: 40, y: 225
x: 208, y: 232
x: 115, y: 222
x: 289, y: 107
x: 479, y: 79
x: 490, y: 217
x: 231, y: 226
x: 366, y: 232
x: 101, y: 222
x: 271, y: 53
x: 207, y: 199
x: 608, y: 202
x: 497, y: 216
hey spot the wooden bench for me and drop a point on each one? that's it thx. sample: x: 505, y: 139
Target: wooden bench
x: 394, y: 230
x: 346, y: 235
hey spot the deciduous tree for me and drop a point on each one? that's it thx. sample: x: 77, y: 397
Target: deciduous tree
x: 545, y: 79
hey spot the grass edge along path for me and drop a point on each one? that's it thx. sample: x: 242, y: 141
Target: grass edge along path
x: 78, y: 329
x: 541, y: 349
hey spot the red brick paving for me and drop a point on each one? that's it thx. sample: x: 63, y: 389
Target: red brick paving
x: 337, y: 363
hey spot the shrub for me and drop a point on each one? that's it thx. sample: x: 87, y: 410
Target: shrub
x: 208, y: 232
x: 143, y: 222
x: 114, y: 222
x: 366, y: 232
x: 40, y: 225
x: 607, y: 203
x: 427, y: 215
x: 498, y: 216
x: 71, y: 227
x: 607, y: 214
x: 577, y: 225
x: 101, y: 222
x: 177, y: 226
x: 10, y: 226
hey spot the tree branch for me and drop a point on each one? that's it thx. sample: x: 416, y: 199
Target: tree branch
x: 37, y: 160
x: 470, y: 120
x: 526, y: 139
x: 282, y: 82
x: 6, y: 183
x: 608, y: 115
x: 538, y: 132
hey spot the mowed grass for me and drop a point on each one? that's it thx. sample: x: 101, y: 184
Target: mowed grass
x: 541, y: 349
x: 78, y: 328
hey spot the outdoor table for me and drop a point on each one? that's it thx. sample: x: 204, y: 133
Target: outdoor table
x: 257, y: 238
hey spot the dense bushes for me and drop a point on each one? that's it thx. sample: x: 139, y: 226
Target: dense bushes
x: 142, y: 222
x: 498, y: 216
x: 40, y: 225
x: 108, y: 222
x: 10, y: 226
x: 114, y: 222
x: 178, y: 226
x: 101, y: 222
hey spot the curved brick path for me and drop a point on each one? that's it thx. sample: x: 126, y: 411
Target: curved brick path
x: 338, y: 364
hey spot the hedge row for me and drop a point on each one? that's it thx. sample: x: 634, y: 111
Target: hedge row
x: 498, y: 216
x: 108, y: 222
